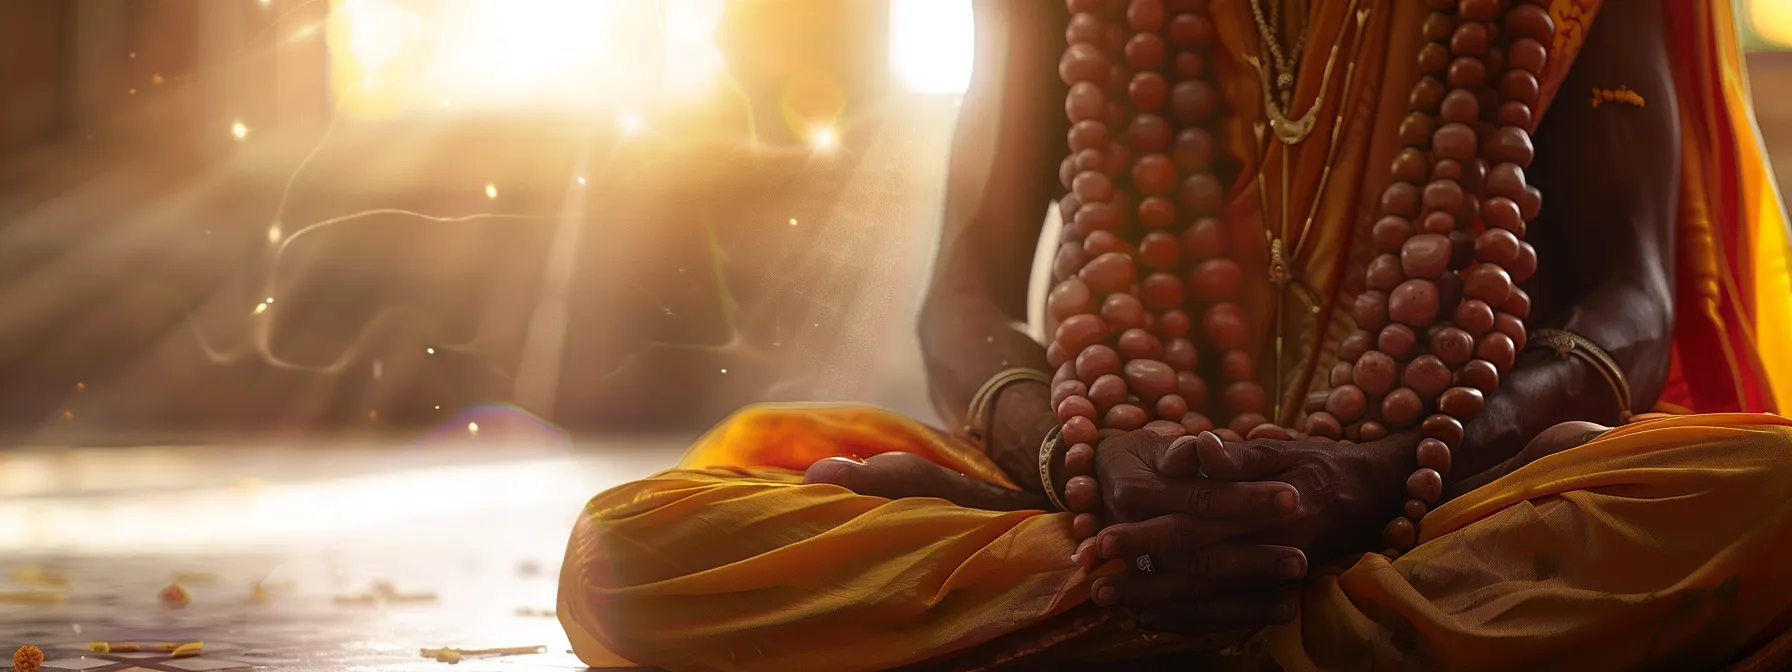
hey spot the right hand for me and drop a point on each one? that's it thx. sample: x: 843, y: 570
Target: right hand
x: 1019, y: 420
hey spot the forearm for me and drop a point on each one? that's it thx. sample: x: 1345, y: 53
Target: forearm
x: 1543, y: 389
x: 965, y: 340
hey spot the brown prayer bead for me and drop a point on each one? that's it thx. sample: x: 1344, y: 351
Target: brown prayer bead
x: 1375, y: 373
x: 1148, y: 91
x: 1192, y: 388
x: 1096, y: 218
x: 1527, y: 55
x: 1434, y: 58
x: 1195, y: 423
x: 1145, y: 51
x: 1316, y: 400
x: 1415, y: 509
x: 1180, y: 354
x: 1525, y: 265
x: 1201, y: 194
x: 1512, y: 327
x: 1400, y: 534
x: 1139, y: 344
x: 1205, y: 239
x: 1518, y: 305
x: 1342, y: 373
x: 1460, y: 106
x: 1098, y: 243
x: 1443, y: 428
x: 1146, y: 15
x: 1174, y: 324
x: 1085, y: 102
x: 1324, y: 425
x: 1370, y: 310
x: 1123, y: 311
x: 1346, y: 403
x: 1402, y: 407
x: 1189, y: 31
x: 1410, y: 165
x: 1398, y: 341
x: 1235, y: 365
x: 1154, y: 175
x: 1531, y: 21
x: 1149, y: 133
x: 1065, y: 389
x: 1488, y: 282
x: 1438, y: 26
x: 1511, y: 144
x: 1470, y: 39
x: 1390, y: 234
x: 1530, y: 204
x: 1084, y: 62
x: 1506, y: 180
x: 1215, y: 279
x: 1425, y: 256
x: 1371, y: 430
x: 1075, y: 407
x: 1158, y: 250
x: 1070, y: 297
x: 1225, y: 326
x: 1193, y: 149
x: 1497, y: 348
x: 1167, y: 428
x: 1520, y: 86
x: 1149, y: 378
x: 1189, y: 65
x: 1495, y: 58
x: 1447, y: 169
x: 1171, y: 406
x: 1425, y: 485
x: 1066, y: 171
x: 1515, y: 113
x: 1161, y: 291
x: 1440, y: 223
x: 1384, y: 273
x: 1245, y: 423
x: 1226, y: 434
x: 1500, y: 212
x: 1107, y: 390
x: 1474, y: 316
x: 1461, y: 402
x: 1354, y: 346
x: 1090, y: 159
x: 1478, y: 10
x: 1088, y: 135
x: 1118, y: 76
x: 1243, y: 397
x: 1157, y: 212
x: 1125, y: 416
x: 1426, y: 95
x: 1085, y: 28
x: 1096, y: 361
x: 1497, y: 246
x: 1400, y: 199
x: 1080, y: 430
x: 1416, y: 129
x: 1119, y: 159
x: 1193, y: 101
x: 1413, y: 303
x: 1434, y: 455
x: 1081, y: 331
x: 1467, y: 72
x: 1454, y: 141
x: 1479, y: 374
x: 1057, y: 355
x: 1442, y: 195
x: 1068, y: 260
x: 1426, y: 375
x: 1452, y: 345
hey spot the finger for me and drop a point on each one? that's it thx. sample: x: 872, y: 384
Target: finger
x: 1220, y: 500
x: 1085, y: 525
x: 1082, y: 494
x: 1085, y: 556
x: 1234, y: 461
x: 1180, y: 459
x: 901, y: 475
x: 1235, y: 561
x: 1221, y: 614
x: 1136, y: 589
x: 1165, y: 534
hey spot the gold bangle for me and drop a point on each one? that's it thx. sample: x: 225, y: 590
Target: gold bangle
x: 1047, y: 449
x: 1567, y: 343
x: 976, y: 419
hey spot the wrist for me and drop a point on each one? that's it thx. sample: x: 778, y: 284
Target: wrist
x: 1020, y: 418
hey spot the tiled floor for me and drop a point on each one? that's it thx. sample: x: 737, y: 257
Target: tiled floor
x: 472, y: 535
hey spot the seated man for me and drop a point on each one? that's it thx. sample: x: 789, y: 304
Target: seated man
x: 848, y: 538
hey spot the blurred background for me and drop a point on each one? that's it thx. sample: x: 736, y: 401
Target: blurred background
x: 222, y: 218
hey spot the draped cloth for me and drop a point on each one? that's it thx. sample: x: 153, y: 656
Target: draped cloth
x: 1659, y: 544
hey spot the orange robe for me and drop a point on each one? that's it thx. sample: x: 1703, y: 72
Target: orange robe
x: 1662, y: 542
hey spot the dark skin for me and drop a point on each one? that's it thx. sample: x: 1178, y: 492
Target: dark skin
x: 1227, y: 544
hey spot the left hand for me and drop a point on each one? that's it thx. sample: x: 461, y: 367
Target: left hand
x: 1347, y: 494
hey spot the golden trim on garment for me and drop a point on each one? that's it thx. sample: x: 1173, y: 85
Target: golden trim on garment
x: 1622, y: 94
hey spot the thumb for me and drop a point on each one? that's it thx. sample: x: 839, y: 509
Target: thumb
x: 1225, y: 461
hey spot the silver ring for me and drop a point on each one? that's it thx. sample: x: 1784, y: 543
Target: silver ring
x: 1144, y: 564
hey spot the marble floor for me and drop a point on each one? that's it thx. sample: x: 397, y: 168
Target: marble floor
x: 297, y: 557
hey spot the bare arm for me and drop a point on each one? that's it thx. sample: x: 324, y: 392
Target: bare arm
x: 1604, y: 239
x: 1001, y: 179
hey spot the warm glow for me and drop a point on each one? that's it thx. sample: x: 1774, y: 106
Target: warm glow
x: 932, y: 43
x: 239, y: 130
x: 629, y: 123
x: 522, y: 54
x: 823, y: 139
x: 1772, y: 21
x: 472, y: 428
x: 491, y: 191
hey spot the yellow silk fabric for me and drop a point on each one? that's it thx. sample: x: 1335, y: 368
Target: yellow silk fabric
x: 1664, y: 540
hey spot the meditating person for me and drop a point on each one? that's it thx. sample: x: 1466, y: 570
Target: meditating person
x: 1328, y: 384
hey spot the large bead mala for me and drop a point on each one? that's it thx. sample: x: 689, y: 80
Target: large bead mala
x: 1440, y: 317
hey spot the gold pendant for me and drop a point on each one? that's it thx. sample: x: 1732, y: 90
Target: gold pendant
x: 1289, y: 131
